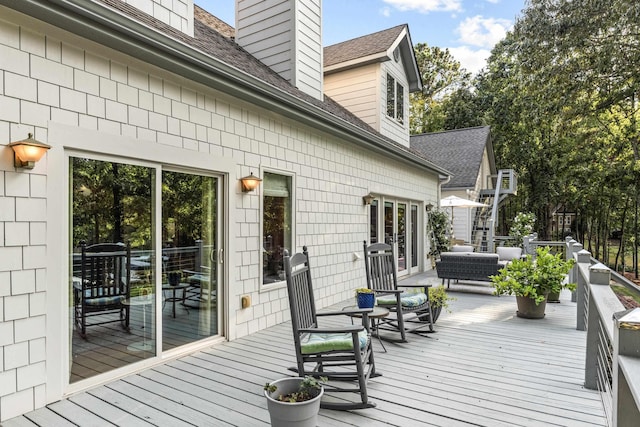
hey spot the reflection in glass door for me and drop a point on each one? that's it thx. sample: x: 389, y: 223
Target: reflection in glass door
x: 114, y: 258
x: 395, y: 232
x: 111, y: 266
x: 189, y: 255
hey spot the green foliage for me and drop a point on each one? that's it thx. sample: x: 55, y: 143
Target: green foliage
x: 363, y: 291
x: 445, y: 99
x: 438, y: 224
x: 439, y: 298
x: 534, y: 278
x: 522, y: 226
x: 306, y: 391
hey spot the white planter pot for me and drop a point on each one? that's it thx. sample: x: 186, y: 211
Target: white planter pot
x: 285, y: 414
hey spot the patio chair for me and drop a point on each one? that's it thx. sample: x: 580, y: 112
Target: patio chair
x: 411, y: 311
x: 340, y: 353
x: 103, y: 286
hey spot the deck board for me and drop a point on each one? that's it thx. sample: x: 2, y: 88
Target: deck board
x: 483, y: 367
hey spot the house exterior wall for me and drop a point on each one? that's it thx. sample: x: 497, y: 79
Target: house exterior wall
x: 176, y: 13
x: 357, y: 90
x: 390, y: 127
x: 74, y: 93
x: 286, y: 35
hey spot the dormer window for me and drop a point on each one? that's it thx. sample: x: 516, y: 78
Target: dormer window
x: 395, y: 99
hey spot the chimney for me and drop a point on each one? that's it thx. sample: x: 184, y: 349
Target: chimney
x: 286, y: 35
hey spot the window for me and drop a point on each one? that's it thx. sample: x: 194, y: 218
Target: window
x: 276, y: 225
x: 395, y: 99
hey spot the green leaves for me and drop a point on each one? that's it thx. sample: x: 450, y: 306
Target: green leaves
x: 534, y: 278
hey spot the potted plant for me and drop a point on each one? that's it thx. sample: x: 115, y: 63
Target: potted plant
x: 365, y: 298
x: 439, y: 299
x: 531, y: 280
x: 294, y: 401
x: 173, y: 277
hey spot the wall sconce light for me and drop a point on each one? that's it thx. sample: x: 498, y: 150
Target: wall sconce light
x: 250, y: 183
x: 429, y: 206
x: 368, y: 199
x: 27, y: 152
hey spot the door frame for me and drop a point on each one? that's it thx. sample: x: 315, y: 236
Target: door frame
x: 69, y: 140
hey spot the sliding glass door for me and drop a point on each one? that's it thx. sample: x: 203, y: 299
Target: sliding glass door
x: 144, y: 251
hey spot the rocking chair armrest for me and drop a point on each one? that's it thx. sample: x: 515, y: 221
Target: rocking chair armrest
x: 415, y: 285
x: 349, y: 312
x: 346, y: 328
x: 388, y: 291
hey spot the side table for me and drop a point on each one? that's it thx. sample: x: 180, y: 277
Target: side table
x: 375, y: 316
x: 173, y: 298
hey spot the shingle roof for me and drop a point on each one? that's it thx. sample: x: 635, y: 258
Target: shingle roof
x: 459, y: 151
x: 361, y: 47
x: 210, y: 42
x: 213, y: 22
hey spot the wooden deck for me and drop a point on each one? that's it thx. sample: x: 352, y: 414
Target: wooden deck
x: 483, y: 367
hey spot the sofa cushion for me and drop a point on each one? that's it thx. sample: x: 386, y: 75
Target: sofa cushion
x: 461, y: 248
x: 317, y: 342
x: 506, y: 253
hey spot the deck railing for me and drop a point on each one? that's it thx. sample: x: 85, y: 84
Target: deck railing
x: 612, y: 364
x: 612, y: 360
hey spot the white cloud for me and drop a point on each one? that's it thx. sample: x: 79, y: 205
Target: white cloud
x: 386, y: 12
x: 426, y: 6
x: 483, y: 32
x: 471, y: 60
x: 493, y: 1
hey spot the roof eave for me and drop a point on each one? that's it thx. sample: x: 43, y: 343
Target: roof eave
x: 108, y: 27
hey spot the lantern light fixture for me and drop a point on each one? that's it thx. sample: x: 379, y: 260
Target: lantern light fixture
x: 366, y: 200
x: 250, y: 183
x: 28, y: 152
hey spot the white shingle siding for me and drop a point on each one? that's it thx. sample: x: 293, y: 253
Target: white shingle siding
x: 286, y: 35
x: 176, y: 13
x: 122, y: 97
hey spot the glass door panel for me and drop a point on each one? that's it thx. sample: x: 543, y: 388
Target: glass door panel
x: 189, y: 258
x: 389, y: 223
x: 111, y: 266
x: 401, y: 237
x: 373, y: 222
x: 414, y: 236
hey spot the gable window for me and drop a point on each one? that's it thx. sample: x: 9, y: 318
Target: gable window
x: 395, y: 99
x: 276, y: 225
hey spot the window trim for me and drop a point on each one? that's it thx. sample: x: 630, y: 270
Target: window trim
x: 292, y: 195
x: 397, y: 101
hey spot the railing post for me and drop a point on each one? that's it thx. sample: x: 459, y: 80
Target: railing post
x: 583, y: 257
x: 575, y: 248
x: 626, y: 342
x: 599, y: 274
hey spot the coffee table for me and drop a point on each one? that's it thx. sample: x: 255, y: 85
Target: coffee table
x: 375, y: 316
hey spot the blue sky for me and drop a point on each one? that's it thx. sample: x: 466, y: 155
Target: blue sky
x: 468, y: 28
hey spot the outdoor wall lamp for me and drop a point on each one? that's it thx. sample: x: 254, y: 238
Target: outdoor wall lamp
x: 27, y: 152
x: 429, y: 206
x: 250, y: 183
x: 366, y: 200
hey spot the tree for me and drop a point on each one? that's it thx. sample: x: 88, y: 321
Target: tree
x: 442, y: 77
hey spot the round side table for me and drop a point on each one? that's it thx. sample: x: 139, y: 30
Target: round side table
x: 375, y: 316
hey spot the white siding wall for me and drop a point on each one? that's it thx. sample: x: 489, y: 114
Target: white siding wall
x: 50, y: 79
x: 389, y: 126
x: 357, y: 91
x: 286, y: 35
x: 176, y: 13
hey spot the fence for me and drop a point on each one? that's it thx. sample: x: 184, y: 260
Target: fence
x: 612, y: 363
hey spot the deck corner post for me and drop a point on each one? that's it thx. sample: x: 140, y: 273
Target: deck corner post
x: 575, y: 248
x: 626, y: 344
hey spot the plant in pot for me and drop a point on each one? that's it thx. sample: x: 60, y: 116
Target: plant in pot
x: 365, y: 298
x: 439, y: 300
x: 531, y: 280
x: 294, y: 401
x: 173, y: 277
